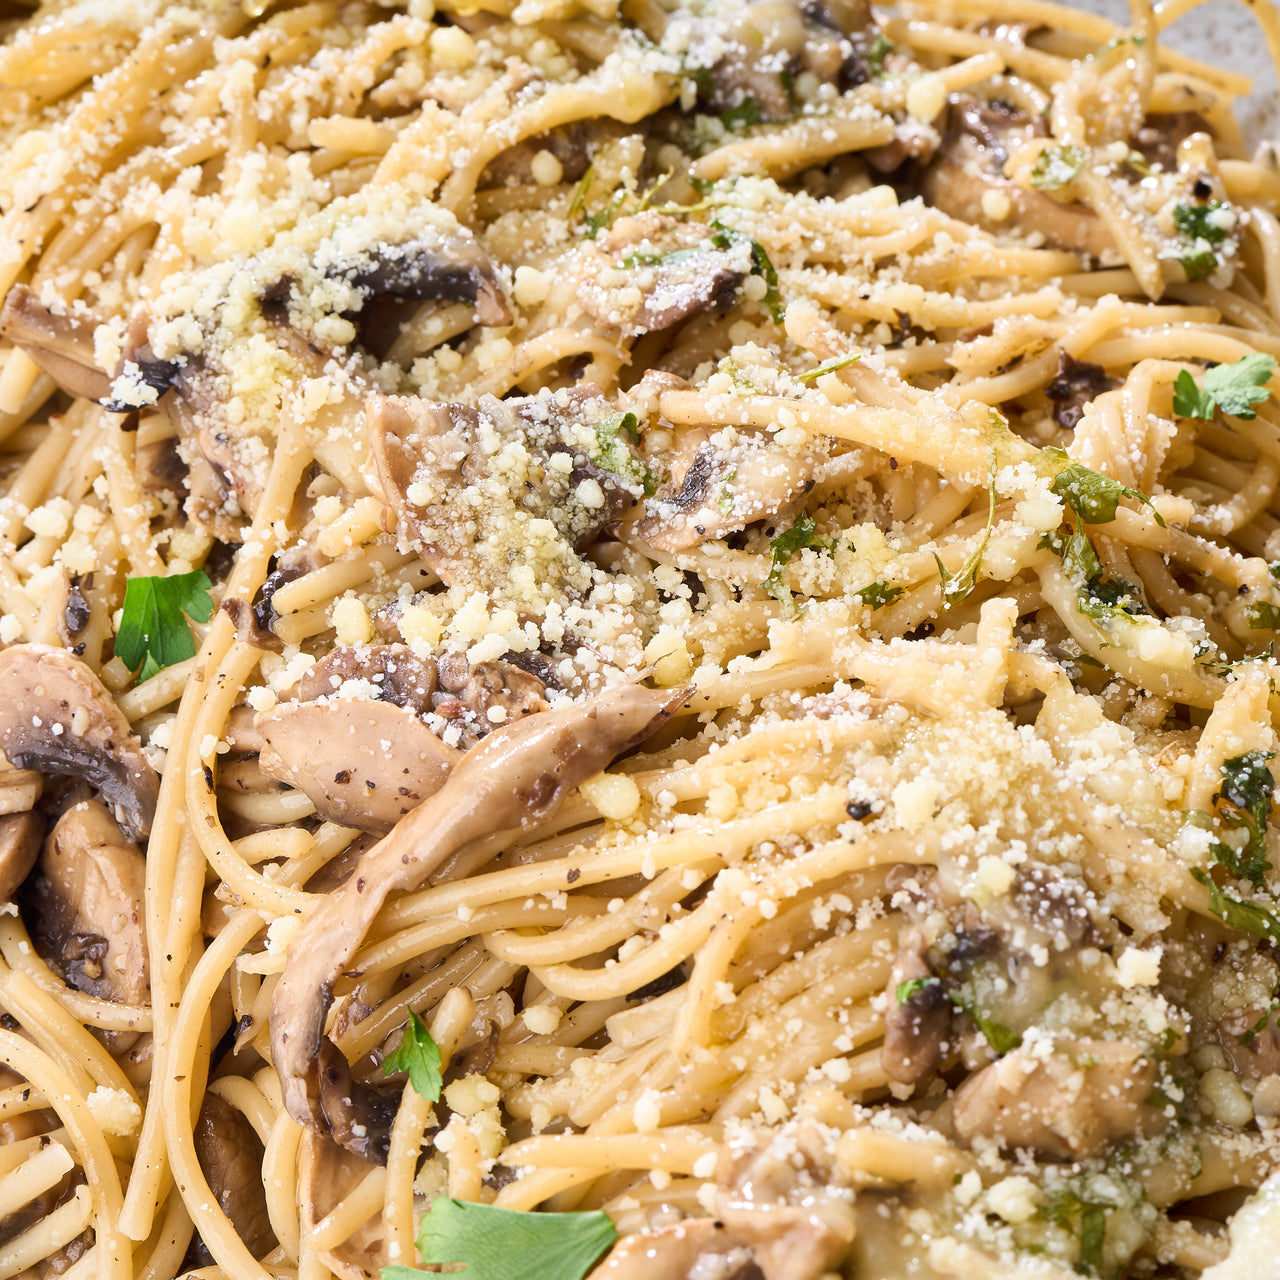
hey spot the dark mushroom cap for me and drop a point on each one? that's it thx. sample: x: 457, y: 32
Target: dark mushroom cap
x: 59, y: 718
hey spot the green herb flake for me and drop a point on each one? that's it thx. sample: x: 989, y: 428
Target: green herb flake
x: 1057, y: 166
x: 1262, y: 615
x: 1093, y: 1234
x: 744, y: 115
x: 1248, y: 917
x: 1093, y: 496
x: 804, y: 533
x: 830, y: 366
x: 1245, y: 800
x: 739, y: 379
x: 1199, y: 264
x: 1260, y: 1026
x: 153, y: 626
x: 1233, y: 388
x: 419, y: 1055
x: 1196, y: 221
x: 999, y: 1037
x: 1110, y: 600
x: 878, y: 594
x: 957, y: 586
x: 881, y: 48
x: 613, y: 454
x: 910, y: 986
x: 506, y: 1244
x: 771, y: 301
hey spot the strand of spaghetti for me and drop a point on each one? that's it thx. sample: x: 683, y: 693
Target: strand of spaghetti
x: 171, y: 1237
x: 91, y: 1147
x: 48, y: 1235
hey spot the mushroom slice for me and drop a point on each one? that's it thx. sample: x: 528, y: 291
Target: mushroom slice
x: 230, y: 1155
x: 452, y: 268
x: 766, y: 44
x: 500, y: 497
x: 359, y: 1116
x: 21, y: 835
x: 390, y: 672
x: 361, y: 762
x: 1070, y: 1105
x: 60, y: 343
x: 87, y: 900
x: 1076, y: 384
x: 918, y: 1029
x: 479, y: 688
x: 722, y: 489
x: 516, y: 776
x: 970, y: 163
x: 327, y: 1174
x: 776, y: 1242
x: 59, y: 718
x: 650, y: 272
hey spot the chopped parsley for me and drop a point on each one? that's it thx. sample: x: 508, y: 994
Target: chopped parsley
x: 744, y: 115
x: 153, y: 625
x: 1233, y: 388
x: 1248, y: 917
x: 1057, y: 166
x: 999, y: 1037
x: 878, y: 594
x: 419, y: 1055
x: 1110, y: 600
x: 1086, y: 1218
x: 613, y: 454
x: 881, y: 48
x: 830, y: 366
x: 1245, y: 802
x: 1196, y: 221
x: 804, y: 533
x: 764, y: 268
x: 506, y: 1244
x: 957, y: 586
x: 1093, y: 496
x: 910, y: 986
x: 1262, y: 615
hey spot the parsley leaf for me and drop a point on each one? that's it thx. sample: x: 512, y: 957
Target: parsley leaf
x: 804, y: 533
x: 909, y: 986
x: 614, y: 455
x: 1110, y: 600
x: 746, y: 113
x: 1248, y: 790
x: 1199, y: 264
x: 1195, y: 220
x: 771, y: 301
x: 1233, y: 388
x: 999, y: 1037
x: 829, y: 366
x: 878, y: 594
x: 505, y: 1244
x: 1248, y: 917
x: 1260, y: 1026
x: 881, y: 48
x: 419, y: 1055
x: 153, y: 629
x: 956, y: 586
x: 1262, y: 615
x: 1093, y: 496
x: 1057, y: 166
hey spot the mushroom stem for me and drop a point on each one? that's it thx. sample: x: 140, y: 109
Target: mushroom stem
x: 516, y: 776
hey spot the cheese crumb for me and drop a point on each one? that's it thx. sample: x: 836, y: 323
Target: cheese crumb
x: 115, y: 1111
x: 351, y: 621
x: 1138, y: 968
x: 615, y: 795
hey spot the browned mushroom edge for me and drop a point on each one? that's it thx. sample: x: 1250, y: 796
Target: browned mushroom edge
x: 517, y: 775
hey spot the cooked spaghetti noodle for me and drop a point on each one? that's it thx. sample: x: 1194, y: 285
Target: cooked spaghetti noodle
x: 722, y: 557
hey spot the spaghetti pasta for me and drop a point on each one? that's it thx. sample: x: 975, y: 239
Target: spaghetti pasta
x: 636, y: 639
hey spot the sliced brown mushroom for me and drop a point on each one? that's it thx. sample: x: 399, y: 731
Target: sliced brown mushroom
x: 715, y: 490
x: 59, y: 718
x: 21, y: 835
x: 516, y: 776
x: 508, y: 521
x: 478, y: 688
x: 391, y: 671
x: 361, y: 762
x: 327, y: 1174
x: 919, y: 1020
x: 87, y: 908
x: 767, y: 43
x: 773, y: 1242
x: 1069, y: 1105
x: 359, y: 1116
x: 970, y: 163
x: 447, y: 268
x: 1076, y: 384
x: 230, y: 1155
x: 648, y: 272
x: 60, y: 342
